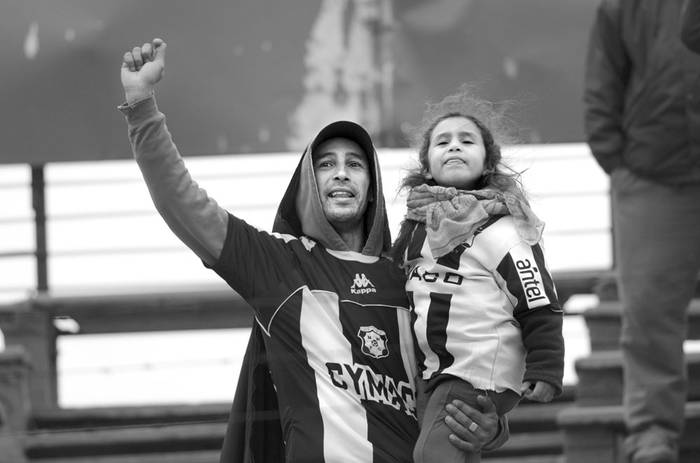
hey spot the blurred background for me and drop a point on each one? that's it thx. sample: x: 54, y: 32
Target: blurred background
x: 258, y: 76
x: 247, y: 84
x: 115, y: 310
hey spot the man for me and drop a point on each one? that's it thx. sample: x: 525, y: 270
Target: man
x: 329, y: 309
x: 642, y: 120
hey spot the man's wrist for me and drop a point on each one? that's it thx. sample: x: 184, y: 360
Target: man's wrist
x: 134, y: 95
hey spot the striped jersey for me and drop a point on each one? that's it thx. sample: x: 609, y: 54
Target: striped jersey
x: 338, y: 338
x: 487, y: 312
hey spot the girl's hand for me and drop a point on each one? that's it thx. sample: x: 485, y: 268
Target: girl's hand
x: 541, y: 392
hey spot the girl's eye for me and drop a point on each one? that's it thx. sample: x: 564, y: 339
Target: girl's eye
x: 325, y: 164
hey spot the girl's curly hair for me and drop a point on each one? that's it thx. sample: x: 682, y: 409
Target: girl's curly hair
x: 496, y: 128
x: 493, y: 121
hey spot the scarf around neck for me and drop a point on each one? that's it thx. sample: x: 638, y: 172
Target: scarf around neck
x: 453, y: 216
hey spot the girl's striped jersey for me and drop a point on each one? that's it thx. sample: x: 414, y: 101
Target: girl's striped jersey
x: 338, y: 336
x: 487, y: 312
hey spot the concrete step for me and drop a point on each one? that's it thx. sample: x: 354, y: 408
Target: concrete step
x: 530, y: 417
x: 184, y: 444
x: 206, y: 456
x: 531, y: 445
x: 534, y: 433
x: 596, y: 434
x: 600, y: 378
x: 95, y: 417
x: 194, y: 433
x: 133, y: 440
x: 531, y: 459
x: 605, y: 286
x: 201, y: 443
x: 604, y: 321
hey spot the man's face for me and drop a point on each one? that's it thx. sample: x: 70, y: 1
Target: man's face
x: 343, y: 176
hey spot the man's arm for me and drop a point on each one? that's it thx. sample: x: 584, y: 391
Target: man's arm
x: 606, y: 77
x: 187, y: 209
x: 690, y: 26
x: 490, y: 432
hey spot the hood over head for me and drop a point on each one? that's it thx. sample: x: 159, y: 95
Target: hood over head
x: 300, y: 212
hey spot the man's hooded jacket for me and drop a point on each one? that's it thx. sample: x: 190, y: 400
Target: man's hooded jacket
x: 254, y: 432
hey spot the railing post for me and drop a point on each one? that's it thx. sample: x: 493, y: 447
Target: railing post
x: 15, y: 402
x: 39, y: 205
x: 30, y: 326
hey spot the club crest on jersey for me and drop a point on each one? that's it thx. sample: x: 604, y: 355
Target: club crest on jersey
x: 362, y: 285
x: 374, y: 342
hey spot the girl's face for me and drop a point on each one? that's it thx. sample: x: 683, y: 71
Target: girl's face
x: 456, y: 153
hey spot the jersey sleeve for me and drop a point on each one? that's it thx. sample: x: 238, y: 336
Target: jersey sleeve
x: 194, y: 217
x: 537, y: 310
x: 260, y: 266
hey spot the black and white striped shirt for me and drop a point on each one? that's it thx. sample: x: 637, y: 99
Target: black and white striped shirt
x: 339, y: 344
x: 487, y: 312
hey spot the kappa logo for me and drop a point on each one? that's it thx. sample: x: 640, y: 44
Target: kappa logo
x: 374, y: 342
x: 362, y: 285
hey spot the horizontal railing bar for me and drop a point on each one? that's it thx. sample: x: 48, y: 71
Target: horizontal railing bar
x: 229, y: 207
x: 111, y: 251
x: 146, y: 366
x: 136, y: 213
x: 12, y: 254
x: 200, y: 176
x: 15, y: 185
x: 164, y: 249
x: 15, y: 220
x: 201, y: 307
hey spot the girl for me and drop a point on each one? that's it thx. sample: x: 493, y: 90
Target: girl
x: 486, y: 315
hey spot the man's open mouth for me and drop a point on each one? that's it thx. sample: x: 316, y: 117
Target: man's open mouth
x: 341, y: 194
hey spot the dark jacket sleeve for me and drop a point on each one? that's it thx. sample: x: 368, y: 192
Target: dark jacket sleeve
x: 690, y: 26
x: 606, y: 78
x: 542, y: 336
x: 254, y: 432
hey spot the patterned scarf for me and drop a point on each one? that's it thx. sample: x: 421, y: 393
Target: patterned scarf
x: 453, y: 216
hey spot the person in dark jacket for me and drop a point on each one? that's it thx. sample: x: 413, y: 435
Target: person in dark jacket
x: 334, y: 367
x: 642, y: 122
x: 690, y: 27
